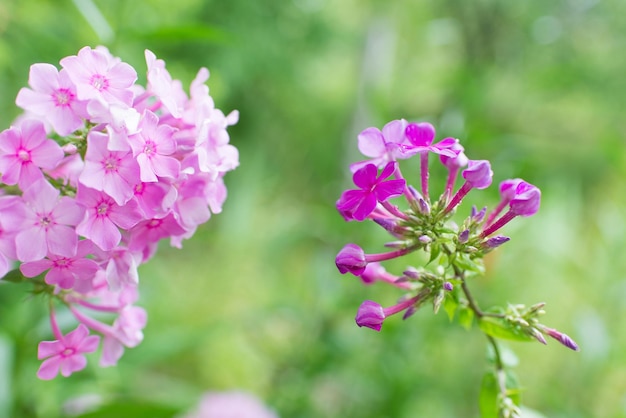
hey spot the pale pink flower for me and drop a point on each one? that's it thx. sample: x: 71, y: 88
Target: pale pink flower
x: 66, y: 354
x: 103, y: 217
x: 46, y: 223
x: 8, y: 230
x: 64, y: 271
x: 97, y: 75
x: 53, y: 97
x: 152, y: 148
x: 149, y: 232
x: 24, y: 150
x: 114, y: 172
x: 160, y: 83
x: 127, y: 331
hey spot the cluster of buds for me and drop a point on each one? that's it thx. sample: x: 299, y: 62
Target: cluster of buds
x: 421, y: 225
x: 95, y: 172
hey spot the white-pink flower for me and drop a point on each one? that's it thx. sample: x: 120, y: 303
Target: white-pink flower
x: 98, y: 75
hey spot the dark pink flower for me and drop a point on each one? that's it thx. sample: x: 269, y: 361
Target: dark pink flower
x: 372, y: 189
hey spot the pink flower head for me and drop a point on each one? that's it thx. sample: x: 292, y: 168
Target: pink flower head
x: 53, y: 97
x: 372, y: 189
x: 98, y: 75
x: 153, y: 147
x: 114, y: 172
x: 64, y: 271
x: 66, y: 354
x: 47, y: 223
x: 478, y: 174
x: 24, y: 150
x: 382, y: 146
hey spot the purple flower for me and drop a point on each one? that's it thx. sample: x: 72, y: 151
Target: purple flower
x: 373, y: 188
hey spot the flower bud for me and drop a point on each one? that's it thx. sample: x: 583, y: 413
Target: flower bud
x: 495, y: 242
x: 526, y: 201
x: 351, y: 259
x: 478, y: 174
x: 464, y: 236
x: 371, y: 315
x: 420, y: 134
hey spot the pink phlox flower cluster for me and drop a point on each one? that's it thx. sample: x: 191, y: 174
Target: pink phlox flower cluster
x: 95, y: 173
x: 418, y: 221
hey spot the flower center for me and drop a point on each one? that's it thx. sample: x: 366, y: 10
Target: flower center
x: 102, y: 208
x: 62, y: 97
x: 149, y: 148
x: 110, y: 164
x: 23, y: 155
x: 99, y: 82
x: 154, y: 223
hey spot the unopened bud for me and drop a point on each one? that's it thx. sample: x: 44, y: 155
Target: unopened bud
x: 437, y: 300
x: 448, y: 286
x: 464, y: 236
x: 425, y: 239
x: 495, y: 242
x: 424, y: 208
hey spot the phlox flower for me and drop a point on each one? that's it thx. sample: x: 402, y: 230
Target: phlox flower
x: 160, y: 83
x: 24, y: 150
x: 98, y: 75
x: 114, y: 172
x: 147, y: 233
x: 53, y: 98
x: 127, y: 331
x: 103, y: 217
x: 233, y: 404
x: 153, y: 147
x: 372, y: 189
x: 383, y: 146
x: 64, y: 271
x: 66, y: 354
x: 46, y: 223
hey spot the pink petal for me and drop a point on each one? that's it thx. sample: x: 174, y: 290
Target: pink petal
x: 35, y: 268
x: 49, y: 368
x: 49, y: 348
x: 61, y: 277
x: 31, y: 244
x: 62, y: 240
x: 73, y: 364
x: 371, y: 142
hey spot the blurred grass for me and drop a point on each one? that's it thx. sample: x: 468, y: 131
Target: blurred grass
x: 253, y: 301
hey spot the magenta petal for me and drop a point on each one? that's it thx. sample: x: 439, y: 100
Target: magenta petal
x: 390, y: 167
x: 387, y: 189
x: 365, y: 177
x: 367, y: 206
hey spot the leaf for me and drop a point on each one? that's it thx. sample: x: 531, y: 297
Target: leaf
x: 501, y: 328
x: 465, y: 264
x: 450, y: 305
x: 488, y: 398
x: 466, y: 317
x: 435, y: 250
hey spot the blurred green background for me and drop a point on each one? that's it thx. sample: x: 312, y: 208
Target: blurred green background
x: 254, y: 301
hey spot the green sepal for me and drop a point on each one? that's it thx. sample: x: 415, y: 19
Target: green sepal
x: 14, y: 276
x: 435, y: 250
x: 501, y: 328
x: 463, y: 262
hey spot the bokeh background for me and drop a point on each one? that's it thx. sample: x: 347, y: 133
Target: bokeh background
x: 254, y: 301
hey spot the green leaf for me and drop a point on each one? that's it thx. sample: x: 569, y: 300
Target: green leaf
x: 466, y: 317
x: 435, y: 250
x: 501, y: 328
x: 450, y: 305
x: 465, y: 264
x: 488, y: 398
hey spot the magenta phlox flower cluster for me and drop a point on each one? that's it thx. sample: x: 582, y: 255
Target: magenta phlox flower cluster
x: 419, y: 223
x: 94, y: 174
